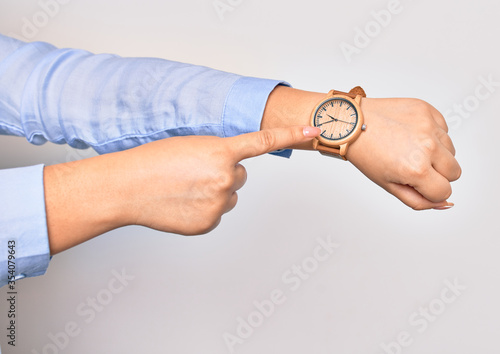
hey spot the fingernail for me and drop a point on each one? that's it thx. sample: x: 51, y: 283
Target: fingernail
x: 446, y: 207
x: 311, y: 132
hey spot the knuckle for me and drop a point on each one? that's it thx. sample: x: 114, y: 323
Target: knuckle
x: 225, y: 181
x: 231, y: 203
x: 427, y: 125
x: 421, y: 105
x: 244, y: 174
x: 416, y: 170
x: 294, y: 135
x: 203, y: 230
x: 445, y: 126
x: 267, y: 139
x: 442, y: 136
x: 216, y: 208
x: 417, y: 164
x: 429, y: 144
x: 206, y: 225
x: 209, y: 226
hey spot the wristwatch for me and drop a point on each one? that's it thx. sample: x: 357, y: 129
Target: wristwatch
x: 340, y: 119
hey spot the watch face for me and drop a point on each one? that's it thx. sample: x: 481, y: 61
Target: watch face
x: 337, y: 118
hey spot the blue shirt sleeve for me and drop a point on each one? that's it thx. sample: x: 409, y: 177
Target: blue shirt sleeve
x: 111, y: 103
x: 108, y: 103
x: 24, y: 226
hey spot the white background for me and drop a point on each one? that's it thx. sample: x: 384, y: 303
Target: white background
x: 189, y: 291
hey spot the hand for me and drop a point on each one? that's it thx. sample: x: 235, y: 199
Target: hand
x: 181, y: 185
x: 406, y: 150
x: 184, y: 184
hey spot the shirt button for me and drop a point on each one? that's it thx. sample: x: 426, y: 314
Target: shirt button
x: 20, y: 276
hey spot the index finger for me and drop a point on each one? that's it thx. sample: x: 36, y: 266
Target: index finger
x: 439, y: 118
x: 264, y: 141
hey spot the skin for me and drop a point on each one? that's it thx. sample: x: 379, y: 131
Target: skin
x: 184, y: 185
x: 418, y: 171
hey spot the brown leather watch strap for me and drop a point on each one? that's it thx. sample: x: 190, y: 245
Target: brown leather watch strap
x: 330, y: 151
x: 355, y: 92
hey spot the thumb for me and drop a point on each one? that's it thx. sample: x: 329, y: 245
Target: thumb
x: 264, y: 141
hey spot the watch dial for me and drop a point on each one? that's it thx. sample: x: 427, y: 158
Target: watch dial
x: 336, y: 118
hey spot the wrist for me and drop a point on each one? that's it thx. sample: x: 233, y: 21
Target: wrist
x: 82, y: 200
x: 287, y: 106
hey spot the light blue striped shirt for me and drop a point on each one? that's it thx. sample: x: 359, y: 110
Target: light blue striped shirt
x: 107, y: 103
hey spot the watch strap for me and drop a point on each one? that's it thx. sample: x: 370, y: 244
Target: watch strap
x: 355, y: 92
x: 332, y: 152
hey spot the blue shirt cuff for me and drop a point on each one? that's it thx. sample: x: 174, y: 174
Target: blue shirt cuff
x: 244, y: 107
x: 23, y: 220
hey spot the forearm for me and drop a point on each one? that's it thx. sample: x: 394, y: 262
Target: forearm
x: 180, y: 185
x: 82, y: 200
x: 287, y: 106
x: 112, y: 103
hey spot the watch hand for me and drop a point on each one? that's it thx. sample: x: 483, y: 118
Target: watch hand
x: 335, y: 120
x: 319, y: 125
x: 343, y: 121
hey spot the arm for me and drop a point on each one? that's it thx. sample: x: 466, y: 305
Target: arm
x: 406, y: 149
x: 181, y: 185
x: 105, y: 95
x: 107, y: 103
x: 418, y: 171
x: 110, y: 103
